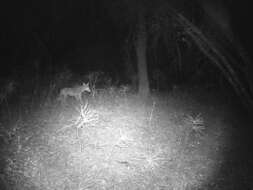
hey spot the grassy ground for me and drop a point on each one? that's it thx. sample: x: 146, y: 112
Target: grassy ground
x: 181, y: 140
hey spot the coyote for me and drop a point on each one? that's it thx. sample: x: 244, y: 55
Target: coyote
x: 75, y: 92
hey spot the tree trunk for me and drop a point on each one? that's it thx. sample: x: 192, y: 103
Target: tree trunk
x: 141, y: 46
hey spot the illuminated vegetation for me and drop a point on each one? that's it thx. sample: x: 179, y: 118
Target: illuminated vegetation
x: 116, y: 140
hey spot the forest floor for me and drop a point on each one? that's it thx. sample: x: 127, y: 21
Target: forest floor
x: 181, y: 140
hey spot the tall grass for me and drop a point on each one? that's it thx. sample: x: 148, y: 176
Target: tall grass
x: 113, y: 141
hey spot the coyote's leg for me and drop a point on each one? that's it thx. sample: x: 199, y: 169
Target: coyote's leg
x: 79, y: 98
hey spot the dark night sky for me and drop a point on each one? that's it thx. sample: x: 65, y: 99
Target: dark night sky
x: 61, y: 25
x: 64, y: 25
x: 242, y: 22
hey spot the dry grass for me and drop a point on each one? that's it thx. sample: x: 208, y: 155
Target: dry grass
x: 115, y: 141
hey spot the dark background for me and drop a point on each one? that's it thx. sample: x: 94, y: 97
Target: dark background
x: 78, y: 31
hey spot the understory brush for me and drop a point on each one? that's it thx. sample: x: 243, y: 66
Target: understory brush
x: 113, y: 140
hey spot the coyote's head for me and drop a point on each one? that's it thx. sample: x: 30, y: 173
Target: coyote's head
x: 86, y: 87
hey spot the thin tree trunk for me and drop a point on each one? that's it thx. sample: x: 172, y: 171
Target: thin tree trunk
x: 141, y: 47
